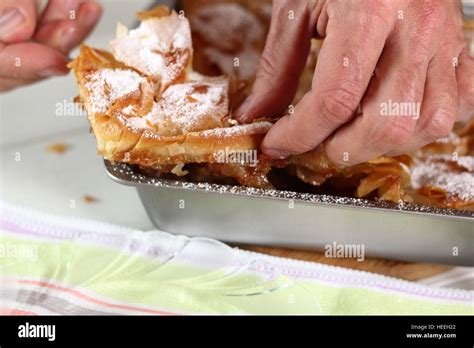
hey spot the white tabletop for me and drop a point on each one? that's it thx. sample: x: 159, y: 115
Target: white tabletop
x: 57, y: 183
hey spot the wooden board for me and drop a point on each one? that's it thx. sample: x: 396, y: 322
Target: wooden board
x: 397, y: 269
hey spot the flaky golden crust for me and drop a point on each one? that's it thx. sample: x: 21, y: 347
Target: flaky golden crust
x: 200, y: 147
x: 118, y: 141
x: 163, y: 119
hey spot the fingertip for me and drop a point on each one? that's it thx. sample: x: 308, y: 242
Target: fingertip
x: 53, y: 70
x: 243, y: 119
x: 58, y: 10
x: 272, y: 149
x: 36, y: 61
x: 275, y: 153
x: 58, y: 35
x: 338, y: 154
x: 338, y: 158
x: 278, y: 142
x: 66, y: 34
x: 90, y: 13
x: 241, y: 113
x: 57, y: 67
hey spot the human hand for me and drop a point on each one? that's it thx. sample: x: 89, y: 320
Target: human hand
x: 34, y: 45
x: 378, y: 56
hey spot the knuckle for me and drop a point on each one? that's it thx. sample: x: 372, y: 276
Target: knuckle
x: 422, y: 35
x: 430, y: 12
x: 393, y: 133
x: 387, y: 5
x: 369, y: 15
x: 439, y: 124
x: 420, y: 56
x: 339, y: 105
x: 381, y: 12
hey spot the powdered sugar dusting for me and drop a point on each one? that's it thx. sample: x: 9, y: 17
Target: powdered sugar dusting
x: 452, y: 138
x: 253, y: 128
x: 159, y: 47
x: 466, y: 162
x: 107, y: 85
x: 190, y: 107
x: 128, y: 110
x: 183, y: 108
x: 438, y: 173
x: 137, y: 123
x: 185, y: 105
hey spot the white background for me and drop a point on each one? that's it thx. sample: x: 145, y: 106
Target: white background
x: 49, y: 181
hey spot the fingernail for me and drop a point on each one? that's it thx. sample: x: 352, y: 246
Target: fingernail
x: 9, y: 20
x: 275, y: 153
x: 90, y: 17
x: 241, y: 110
x: 66, y: 37
x: 52, y: 71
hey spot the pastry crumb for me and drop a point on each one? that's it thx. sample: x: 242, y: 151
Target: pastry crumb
x: 59, y: 148
x: 90, y: 199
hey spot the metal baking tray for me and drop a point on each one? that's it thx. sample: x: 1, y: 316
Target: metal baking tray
x: 308, y: 221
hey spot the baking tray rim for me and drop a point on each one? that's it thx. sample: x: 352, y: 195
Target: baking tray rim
x: 124, y: 174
